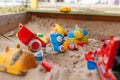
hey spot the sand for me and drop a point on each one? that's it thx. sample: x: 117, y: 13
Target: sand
x: 69, y: 65
x: 8, y: 10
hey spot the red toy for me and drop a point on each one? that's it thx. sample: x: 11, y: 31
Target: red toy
x: 30, y: 39
x: 82, y: 43
x: 104, y: 39
x: 89, y: 56
x: 47, y: 65
x: 107, y: 59
x: 73, y: 46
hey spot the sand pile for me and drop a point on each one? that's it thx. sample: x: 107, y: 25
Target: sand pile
x: 69, y: 65
x: 96, y: 28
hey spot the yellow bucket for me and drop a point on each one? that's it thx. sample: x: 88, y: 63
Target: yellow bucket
x: 34, y: 4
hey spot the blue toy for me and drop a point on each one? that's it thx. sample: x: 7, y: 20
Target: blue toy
x: 91, y: 65
x: 39, y: 55
x: 57, y: 41
x: 78, y: 35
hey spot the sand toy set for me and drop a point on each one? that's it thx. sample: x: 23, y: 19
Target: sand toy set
x: 56, y: 37
x: 105, y: 59
x: 19, y: 61
x: 59, y: 40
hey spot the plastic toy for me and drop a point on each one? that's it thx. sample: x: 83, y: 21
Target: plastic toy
x: 65, y: 9
x: 73, y: 46
x: 57, y: 29
x: 91, y: 65
x: 38, y: 55
x: 78, y: 35
x: 60, y: 29
x: 82, y: 43
x: 66, y: 44
x: 105, y: 39
x: 47, y: 65
x: 42, y: 37
x: 57, y: 41
x: 16, y: 61
x: 89, y: 56
x: 30, y: 39
x: 107, y: 59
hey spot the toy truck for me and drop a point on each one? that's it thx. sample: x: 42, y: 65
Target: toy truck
x: 106, y: 59
x: 57, y: 29
x: 30, y: 39
x: 57, y: 41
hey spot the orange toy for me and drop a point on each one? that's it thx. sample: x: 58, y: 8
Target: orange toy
x: 53, y: 30
x: 57, y: 29
x: 65, y: 9
x: 16, y: 61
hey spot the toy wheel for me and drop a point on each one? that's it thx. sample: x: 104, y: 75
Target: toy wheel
x: 59, y: 38
x: 35, y: 45
x: 62, y: 48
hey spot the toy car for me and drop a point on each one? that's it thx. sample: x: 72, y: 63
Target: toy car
x: 30, y: 39
x: 57, y: 41
x: 57, y: 29
x: 107, y: 59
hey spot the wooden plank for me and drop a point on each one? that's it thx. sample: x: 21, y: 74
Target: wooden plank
x: 87, y: 17
x: 101, y: 13
x: 11, y: 21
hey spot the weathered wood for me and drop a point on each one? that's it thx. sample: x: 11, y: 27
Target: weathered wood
x: 81, y: 16
x: 11, y: 21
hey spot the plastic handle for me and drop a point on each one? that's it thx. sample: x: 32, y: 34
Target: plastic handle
x: 47, y: 65
x: 21, y: 25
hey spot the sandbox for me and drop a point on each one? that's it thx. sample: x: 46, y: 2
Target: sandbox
x: 69, y: 65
